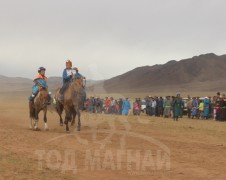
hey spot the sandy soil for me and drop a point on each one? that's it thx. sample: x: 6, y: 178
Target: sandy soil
x: 109, y: 147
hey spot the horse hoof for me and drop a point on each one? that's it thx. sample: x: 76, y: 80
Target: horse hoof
x: 78, y: 129
x: 36, y: 129
x: 61, y: 124
x: 68, y: 131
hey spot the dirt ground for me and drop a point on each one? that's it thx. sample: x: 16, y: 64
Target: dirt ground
x: 109, y: 147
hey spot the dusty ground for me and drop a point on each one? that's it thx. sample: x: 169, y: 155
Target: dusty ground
x: 109, y: 147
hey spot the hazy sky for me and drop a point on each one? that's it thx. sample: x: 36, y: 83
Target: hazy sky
x: 105, y: 38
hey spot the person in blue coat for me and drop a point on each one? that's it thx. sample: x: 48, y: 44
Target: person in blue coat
x: 206, y: 107
x: 177, y: 104
x: 195, y: 107
x: 67, y: 78
x: 126, y: 106
x: 68, y: 72
x: 40, y: 82
x: 77, y: 74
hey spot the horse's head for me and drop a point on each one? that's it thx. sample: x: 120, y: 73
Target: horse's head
x: 78, y: 91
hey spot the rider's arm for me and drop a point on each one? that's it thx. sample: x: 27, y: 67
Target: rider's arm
x: 41, y: 82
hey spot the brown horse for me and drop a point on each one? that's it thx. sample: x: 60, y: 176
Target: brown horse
x: 39, y: 104
x: 72, y: 103
x: 60, y: 108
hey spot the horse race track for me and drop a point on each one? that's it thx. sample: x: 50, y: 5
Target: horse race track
x: 109, y: 147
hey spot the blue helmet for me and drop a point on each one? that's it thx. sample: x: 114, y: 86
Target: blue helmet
x: 40, y: 69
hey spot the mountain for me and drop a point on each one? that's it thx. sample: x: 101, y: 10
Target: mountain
x: 197, y: 74
x: 15, y: 84
x: 200, y: 73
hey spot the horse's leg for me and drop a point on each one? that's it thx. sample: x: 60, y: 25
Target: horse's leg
x: 37, y: 110
x: 73, y: 120
x: 32, y: 114
x: 79, y: 123
x: 61, y: 120
x: 45, y: 119
x: 31, y: 125
x: 59, y: 109
x: 67, y: 117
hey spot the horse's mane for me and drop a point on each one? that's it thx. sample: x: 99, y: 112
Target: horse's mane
x: 77, y: 84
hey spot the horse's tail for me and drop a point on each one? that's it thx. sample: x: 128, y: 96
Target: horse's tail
x: 32, y: 110
x: 58, y: 105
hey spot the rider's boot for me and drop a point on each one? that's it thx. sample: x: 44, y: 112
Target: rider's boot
x: 32, y: 97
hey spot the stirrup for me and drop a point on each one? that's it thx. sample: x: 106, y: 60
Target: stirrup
x: 54, y: 101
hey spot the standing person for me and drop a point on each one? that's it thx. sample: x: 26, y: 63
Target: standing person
x: 217, y: 109
x: 172, y: 108
x: 153, y: 107
x: 136, y: 108
x: 87, y: 104
x: 98, y: 105
x: 189, y: 107
x: 198, y: 113
x: 206, y: 108
x: 147, y: 101
x: 107, y: 104
x: 201, y: 109
x: 126, y: 106
x: 120, y: 106
x: 116, y: 107
x: 167, y: 107
x: 211, y: 106
x: 134, y: 104
x: 160, y: 106
x: 91, y: 102
x: 217, y: 106
x: 195, y: 106
x: 140, y: 105
x: 157, y: 106
x: 150, y: 106
x: 40, y: 82
x: 112, y: 106
x: 223, y: 116
x: 177, y: 104
x: 94, y: 104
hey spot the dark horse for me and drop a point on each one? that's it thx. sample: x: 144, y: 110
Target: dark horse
x: 39, y: 104
x: 72, y: 103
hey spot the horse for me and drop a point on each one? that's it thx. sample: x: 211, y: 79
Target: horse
x: 39, y: 104
x: 60, y: 108
x: 72, y: 103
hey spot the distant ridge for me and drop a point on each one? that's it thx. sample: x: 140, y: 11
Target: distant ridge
x: 205, y: 72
